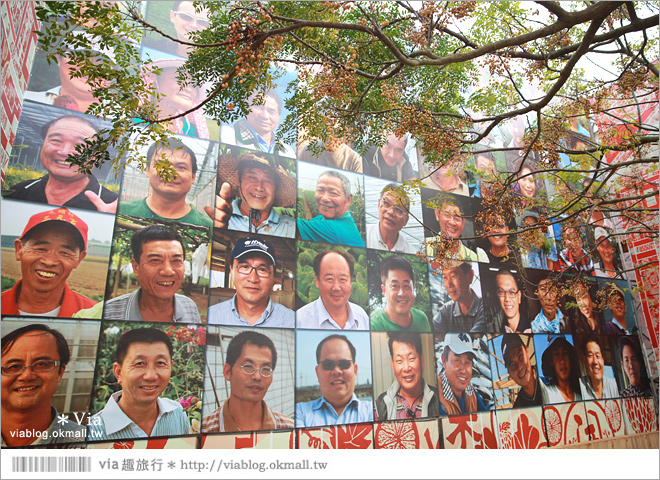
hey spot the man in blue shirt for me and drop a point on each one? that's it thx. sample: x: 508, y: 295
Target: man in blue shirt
x: 336, y: 371
x: 550, y: 318
x: 253, y: 275
x: 334, y: 224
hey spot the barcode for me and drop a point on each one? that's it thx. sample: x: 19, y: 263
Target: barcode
x: 51, y: 464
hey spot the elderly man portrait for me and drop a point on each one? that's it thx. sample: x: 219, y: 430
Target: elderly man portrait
x: 158, y: 265
x: 257, y: 130
x: 447, y: 179
x: 392, y: 217
x: 632, y: 361
x: 333, y: 273
x: 595, y: 385
x: 518, y: 364
x: 561, y: 370
x: 390, y: 161
x: 509, y: 318
x: 65, y: 184
x: 336, y: 372
x: 465, y: 311
x: 409, y: 396
x: 52, y: 245
x: 335, y: 223
x: 457, y: 395
x: 550, y: 318
x: 250, y: 369
x: 259, y: 184
x: 142, y: 366
x: 252, y: 273
x: 34, y: 358
x: 398, y: 287
x: 167, y: 199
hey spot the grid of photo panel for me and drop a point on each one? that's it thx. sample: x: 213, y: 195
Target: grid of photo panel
x: 274, y: 297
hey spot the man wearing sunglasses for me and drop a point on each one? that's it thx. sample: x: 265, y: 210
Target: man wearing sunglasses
x: 249, y: 368
x: 392, y: 217
x: 253, y: 276
x: 336, y: 371
x: 33, y: 361
x: 186, y: 20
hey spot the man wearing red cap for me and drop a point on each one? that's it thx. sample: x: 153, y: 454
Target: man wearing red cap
x: 51, y: 246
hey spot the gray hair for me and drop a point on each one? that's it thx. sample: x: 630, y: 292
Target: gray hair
x: 345, y: 182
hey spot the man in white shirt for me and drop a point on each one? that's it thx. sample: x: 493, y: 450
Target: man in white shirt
x: 392, y: 217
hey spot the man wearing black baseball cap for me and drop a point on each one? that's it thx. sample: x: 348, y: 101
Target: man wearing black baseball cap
x: 520, y: 368
x: 253, y: 276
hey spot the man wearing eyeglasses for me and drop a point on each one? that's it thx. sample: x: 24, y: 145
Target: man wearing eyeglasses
x: 186, y: 20
x: 392, y: 217
x: 336, y: 371
x: 249, y: 367
x: 253, y: 276
x: 33, y: 361
x: 143, y: 367
x: 509, y: 319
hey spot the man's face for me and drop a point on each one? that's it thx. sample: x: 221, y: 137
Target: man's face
x: 519, y: 366
x: 79, y: 86
x: 252, y: 288
x: 337, y: 385
x: 187, y: 20
x: 458, y: 369
x: 457, y: 283
x: 145, y: 372
x: 451, y: 220
x: 258, y: 187
x: 498, y: 240
x: 29, y: 390
x: 509, y: 295
x: 334, y: 280
x: 399, y: 291
x: 605, y: 250
x: 160, y: 270
x: 60, y: 142
x: 331, y: 198
x: 407, y: 366
x: 393, y: 150
x: 264, y: 118
x: 48, y: 257
x: 173, y: 94
x: 574, y: 242
x: 182, y: 183
x: 561, y: 360
x: 595, y: 362
x: 484, y: 165
x: 617, y: 304
x: 391, y: 214
x: 631, y: 365
x: 526, y: 183
x: 250, y: 388
x: 547, y: 297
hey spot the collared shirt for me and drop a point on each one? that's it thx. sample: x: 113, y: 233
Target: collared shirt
x: 140, y: 208
x: 470, y: 402
x: 588, y: 392
x: 276, y: 224
x: 112, y: 423
x: 419, y: 322
x: 375, y: 240
x: 35, y: 191
x: 391, y: 405
x: 621, y: 327
x: 535, y: 257
x: 464, y: 253
x: 541, y: 324
x: 221, y: 420
x: 72, y: 302
x: 274, y: 316
x: 339, y: 231
x: 58, y: 431
x: 319, y: 412
x: 450, y: 318
x: 315, y: 315
x: 127, y: 307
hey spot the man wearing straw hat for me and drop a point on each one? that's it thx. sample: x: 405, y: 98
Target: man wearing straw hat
x: 259, y: 185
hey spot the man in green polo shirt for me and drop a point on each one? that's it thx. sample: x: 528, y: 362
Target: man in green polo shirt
x: 168, y: 199
x: 397, y: 278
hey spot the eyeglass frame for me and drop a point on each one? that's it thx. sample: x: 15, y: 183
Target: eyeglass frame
x: 56, y: 363
x: 398, y: 211
x: 507, y: 293
x: 197, y: 20
x: 255, y: 369
x: 253, y: 268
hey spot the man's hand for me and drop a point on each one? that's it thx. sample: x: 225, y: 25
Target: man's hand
x: 100, y: 205
x: 223, y: 209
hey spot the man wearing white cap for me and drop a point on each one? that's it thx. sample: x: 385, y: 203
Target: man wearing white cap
x: 456, y: 394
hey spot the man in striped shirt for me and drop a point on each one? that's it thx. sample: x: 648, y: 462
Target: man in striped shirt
x: 249, y: 367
